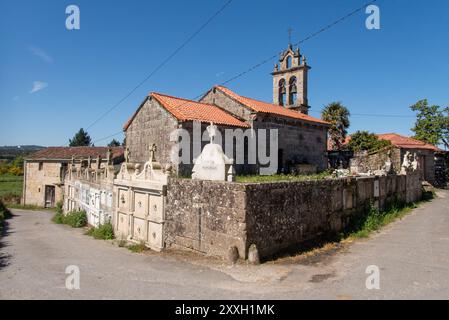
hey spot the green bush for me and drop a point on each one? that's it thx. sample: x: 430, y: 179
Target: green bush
x: 75, y: 219
x: 5, y: 211
x: 104, y: 232
x: 59, y: 207
x: 58, y: 218
x: 4, y: 214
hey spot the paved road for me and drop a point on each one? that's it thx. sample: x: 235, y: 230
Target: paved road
x: 412, y: 255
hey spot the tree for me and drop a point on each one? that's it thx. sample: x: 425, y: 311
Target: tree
x: 114, y: 143
x: 338, y: 116
x: 80, y: 139
x: 432, y: 123
x: 366, y: 141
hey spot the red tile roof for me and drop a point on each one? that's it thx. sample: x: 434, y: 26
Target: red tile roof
x: 66, y: 153
x: 265, y: 107
x: 400, y: 141
x: 406, y: 142
x: 185, y: 110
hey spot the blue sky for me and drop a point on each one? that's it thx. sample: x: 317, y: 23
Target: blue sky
x: 54, y: 81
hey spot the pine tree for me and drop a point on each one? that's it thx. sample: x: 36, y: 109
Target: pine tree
x: 80, y: 139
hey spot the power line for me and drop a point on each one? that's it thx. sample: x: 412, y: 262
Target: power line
x: 263, y: 62
x: 110, y: 136
x: 380, y: 115
x: 164, y: 62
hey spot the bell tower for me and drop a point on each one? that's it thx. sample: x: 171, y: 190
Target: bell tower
x: 290, y: 81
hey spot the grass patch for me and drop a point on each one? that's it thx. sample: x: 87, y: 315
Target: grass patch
x: 75, y: 219
x: 361, y: 226
x: 374, y: 219
x: 139, y: 247
x: 103, y: 232
x: 10, y: 188
x: 282, y: 177
x: 28, y: 207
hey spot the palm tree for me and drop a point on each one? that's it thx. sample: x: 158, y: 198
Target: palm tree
x: 338, y: 116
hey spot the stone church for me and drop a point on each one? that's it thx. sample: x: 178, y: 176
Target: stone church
x: 302, y: 139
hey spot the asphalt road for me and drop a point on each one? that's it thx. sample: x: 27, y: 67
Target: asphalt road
x: 412, y: 256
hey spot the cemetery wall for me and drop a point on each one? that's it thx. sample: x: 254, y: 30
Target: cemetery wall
x: 211, y: 217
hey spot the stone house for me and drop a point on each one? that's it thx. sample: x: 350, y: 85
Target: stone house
x: 302, y: 139
x: 45, y: 170
x: 400, y: 146
x: 424, y: 151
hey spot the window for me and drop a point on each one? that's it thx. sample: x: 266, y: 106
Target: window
x: 292, y: 91
x: 282, y: 92
x: 41, y: 165
x: 289, y: 62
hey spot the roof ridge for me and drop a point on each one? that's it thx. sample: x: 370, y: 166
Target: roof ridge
x: 288, y: 112
x: 179, y: 98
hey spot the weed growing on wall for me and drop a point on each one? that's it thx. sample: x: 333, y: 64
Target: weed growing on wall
x: 75, y: 219
x: 103, y: 232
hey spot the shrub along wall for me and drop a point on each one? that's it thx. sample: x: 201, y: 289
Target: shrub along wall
x: 212, y: 216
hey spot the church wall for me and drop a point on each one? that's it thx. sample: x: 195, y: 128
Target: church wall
x: 220, y: 99
x: 186, y: 169
x: 152, y: 124
x: 299, y: 142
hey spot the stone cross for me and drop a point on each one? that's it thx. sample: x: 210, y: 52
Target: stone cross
x: 127, y: 153
x: 108, y: 156
x: 153, y: 150
x: 212, y: 130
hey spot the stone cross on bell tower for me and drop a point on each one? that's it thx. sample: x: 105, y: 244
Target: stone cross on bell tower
x: 290, y: 80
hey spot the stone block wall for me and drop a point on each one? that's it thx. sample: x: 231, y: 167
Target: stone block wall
x: 210, y: 216
x: 152, y: 124
x: 206, y: 216
x: 300, y: 141
x: 362, y: 162
x: 37, y: 175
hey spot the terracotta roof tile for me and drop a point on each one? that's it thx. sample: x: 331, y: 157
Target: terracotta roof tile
x: 265, y: 107
x: 406, y: 142
x: 66, y: 153
x: 184, y: 109
x: 400, y: 141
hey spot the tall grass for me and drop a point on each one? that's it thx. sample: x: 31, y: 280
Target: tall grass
x: 75, y: 219
x: 103, y: 232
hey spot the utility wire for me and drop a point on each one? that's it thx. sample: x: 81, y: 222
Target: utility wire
x: 263, y: 62
x: 164, y: 62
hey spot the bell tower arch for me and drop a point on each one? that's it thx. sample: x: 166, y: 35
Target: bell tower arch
x: 290, y: 80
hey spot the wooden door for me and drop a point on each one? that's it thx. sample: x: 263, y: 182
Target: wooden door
x: 49, y: 196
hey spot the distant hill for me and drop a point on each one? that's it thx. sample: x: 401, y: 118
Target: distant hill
x: 10, y: 152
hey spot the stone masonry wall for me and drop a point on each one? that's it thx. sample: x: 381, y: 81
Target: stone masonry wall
x: 36, y: 179
x: 152, y: 124
x: 299, y: 141
x: 375, y: 161
x: 212, y: 216
x: 281, y: 215
x: 206, y: 216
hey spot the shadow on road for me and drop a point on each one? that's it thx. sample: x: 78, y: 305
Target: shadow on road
x: 5, y: 257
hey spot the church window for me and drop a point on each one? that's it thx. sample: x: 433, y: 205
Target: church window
x: 292, y: 91
x: 282, y: 92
